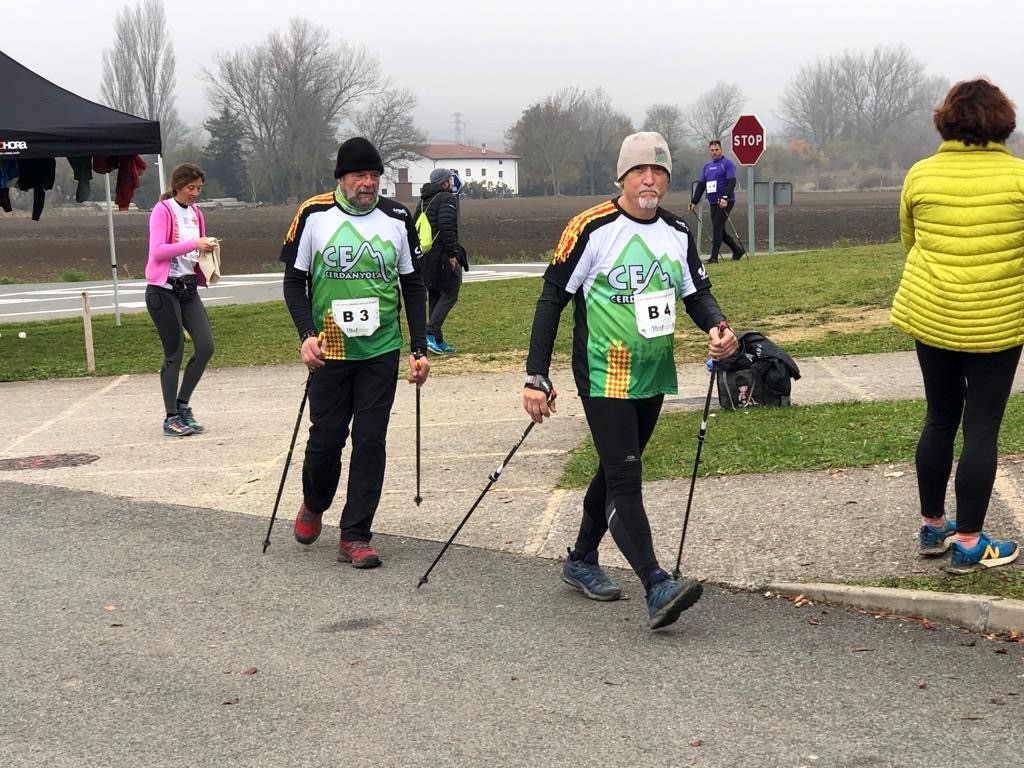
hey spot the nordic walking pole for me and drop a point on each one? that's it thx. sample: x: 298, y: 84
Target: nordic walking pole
x: 734, y: 232
x: 288, y: 461
x: 418, y: 498
x: 696, y: 461
x: 493, y: 478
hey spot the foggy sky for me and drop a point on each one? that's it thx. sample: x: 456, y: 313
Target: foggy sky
x: 489, y: 61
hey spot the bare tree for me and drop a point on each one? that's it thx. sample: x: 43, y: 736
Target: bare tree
x: 810, y: 106
x: 387, y: 122
x: 668, y: 120
x: 293, y: 94
x: 138, y: 72
x: 714, y: 112
x: 549, y: 138
x: 855, y: 96
x: 894, y: 86
x: 602, y: 130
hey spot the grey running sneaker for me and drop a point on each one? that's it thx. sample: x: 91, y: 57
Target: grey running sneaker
x: 586, y: 576
x: 669, y: 598
x: 175, y: 426
x: 185, y: 412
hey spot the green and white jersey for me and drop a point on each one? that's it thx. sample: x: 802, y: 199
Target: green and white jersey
x: 626, y: 275
x: 353, y: 263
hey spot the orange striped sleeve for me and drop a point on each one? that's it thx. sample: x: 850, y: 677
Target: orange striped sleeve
x: 573, y: 230
x: 326, y: 197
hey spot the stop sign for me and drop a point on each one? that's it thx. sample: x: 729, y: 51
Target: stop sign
x: 748, y: 139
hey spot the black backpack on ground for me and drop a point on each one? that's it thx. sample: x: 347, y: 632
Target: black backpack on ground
x: 760, y: 373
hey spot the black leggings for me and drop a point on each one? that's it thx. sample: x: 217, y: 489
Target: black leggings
x: 172, y: 317
x: 614, y: 500
x: 974, y: 386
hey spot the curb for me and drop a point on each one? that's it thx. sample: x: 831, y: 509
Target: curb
x: 980, y: 613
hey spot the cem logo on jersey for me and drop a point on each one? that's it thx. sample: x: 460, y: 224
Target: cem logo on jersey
x: 8, y: 147
x: 340, y: 259
x: 633, y: 278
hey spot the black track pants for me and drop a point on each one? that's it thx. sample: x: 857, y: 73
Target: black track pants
x: 440, y: 301
x: 974, y: 386
x: 719, y: 234
x: 172, y: 317
x: 360, y: 393
x: 614, y: 500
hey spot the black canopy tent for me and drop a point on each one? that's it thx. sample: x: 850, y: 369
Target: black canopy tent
x: 39, y: 119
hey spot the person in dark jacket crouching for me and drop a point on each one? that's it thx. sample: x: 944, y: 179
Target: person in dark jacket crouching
x: 444, y: 263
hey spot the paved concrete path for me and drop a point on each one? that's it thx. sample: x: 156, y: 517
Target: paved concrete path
x: 827, y: 526
x: 137, y: 634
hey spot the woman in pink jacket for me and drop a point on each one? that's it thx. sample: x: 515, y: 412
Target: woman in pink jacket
x: 177, y: 235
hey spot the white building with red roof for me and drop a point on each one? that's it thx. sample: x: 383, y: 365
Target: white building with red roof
x: 478, y: 164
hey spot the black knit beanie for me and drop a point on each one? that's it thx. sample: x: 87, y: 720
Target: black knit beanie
x: 357, y: 154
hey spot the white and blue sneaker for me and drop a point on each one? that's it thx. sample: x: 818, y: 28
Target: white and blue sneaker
x: 987, y: 553
x: 433, y: 346
x: 934, y: 541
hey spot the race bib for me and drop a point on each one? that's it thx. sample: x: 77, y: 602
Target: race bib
x: 356, y: 317
x: 656, y: 313
x: 712, y: 187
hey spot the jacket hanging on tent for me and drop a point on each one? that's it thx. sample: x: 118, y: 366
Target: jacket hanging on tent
x: 129, y: 173
x: 37, y: 175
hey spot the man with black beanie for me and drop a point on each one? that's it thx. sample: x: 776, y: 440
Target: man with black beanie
x: 351, y: 257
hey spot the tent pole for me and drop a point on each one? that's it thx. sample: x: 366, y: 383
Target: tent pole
x: 113, y: 252
x: 160, y: 172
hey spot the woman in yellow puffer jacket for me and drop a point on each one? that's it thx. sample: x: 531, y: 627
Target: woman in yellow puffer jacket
x: 962, y: 299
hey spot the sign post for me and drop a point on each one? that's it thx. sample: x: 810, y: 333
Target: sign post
x: 748, y: 142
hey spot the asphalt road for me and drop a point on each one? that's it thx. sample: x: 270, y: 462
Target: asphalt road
x: 41, y: 301
x: 141, y: 634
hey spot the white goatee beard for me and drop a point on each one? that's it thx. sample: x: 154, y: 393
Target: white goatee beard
x: 649, y: 203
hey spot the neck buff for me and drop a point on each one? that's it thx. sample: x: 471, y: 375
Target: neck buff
x: 347, y: 207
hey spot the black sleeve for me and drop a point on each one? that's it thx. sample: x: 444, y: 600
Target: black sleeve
x: 415, y: 297
x: 698, y: 192
x: 730, y: 185
x: 296, y: 298
x: 703, y: 309
x: 448, y: 225
x: 545, y: 327
x: 414, y: 238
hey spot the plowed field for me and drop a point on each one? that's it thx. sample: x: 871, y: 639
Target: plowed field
x: 523, y: 229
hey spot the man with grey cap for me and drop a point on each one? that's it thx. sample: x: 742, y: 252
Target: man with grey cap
x: 445, y: 259
x: 625, y: 263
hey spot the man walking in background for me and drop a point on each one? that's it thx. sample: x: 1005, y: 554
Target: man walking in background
x: 718, y: 180
x: 445, y: 260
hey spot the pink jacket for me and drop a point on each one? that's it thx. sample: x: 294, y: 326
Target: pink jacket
x: 164, y: 245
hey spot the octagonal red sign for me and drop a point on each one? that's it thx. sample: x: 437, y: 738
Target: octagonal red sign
x: 748, y: 139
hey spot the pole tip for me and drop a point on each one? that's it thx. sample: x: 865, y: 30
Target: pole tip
x: 265, y: 545
x: 418, y: 499
x: 423, y: 580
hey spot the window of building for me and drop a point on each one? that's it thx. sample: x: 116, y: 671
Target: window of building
x: 483, y: 171
x: 468, y: 173
x: 501, y: 174
x: 499, y: 162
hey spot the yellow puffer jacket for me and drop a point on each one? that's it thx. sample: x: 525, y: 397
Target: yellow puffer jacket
x: 962, y: 225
